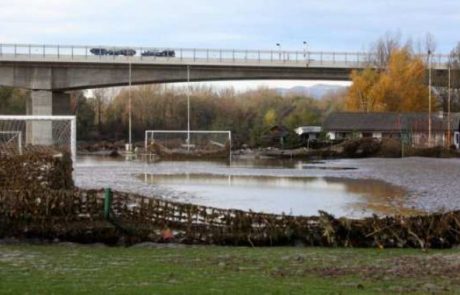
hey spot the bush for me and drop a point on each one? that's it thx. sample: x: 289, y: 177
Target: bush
x: 363, y: 147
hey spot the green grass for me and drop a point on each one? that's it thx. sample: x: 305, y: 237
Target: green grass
x: 76, y: 269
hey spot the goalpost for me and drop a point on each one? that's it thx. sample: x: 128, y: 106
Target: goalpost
x: 54, y: 134
x: 190, y: 140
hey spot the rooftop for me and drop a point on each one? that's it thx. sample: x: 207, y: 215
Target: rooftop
x: 348, y: 121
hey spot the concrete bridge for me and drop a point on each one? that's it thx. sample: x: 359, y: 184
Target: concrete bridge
x: 51, y: 70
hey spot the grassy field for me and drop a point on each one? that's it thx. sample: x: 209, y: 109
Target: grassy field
x: 149, y: 269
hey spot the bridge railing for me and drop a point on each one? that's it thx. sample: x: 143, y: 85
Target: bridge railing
x: 195, y: 55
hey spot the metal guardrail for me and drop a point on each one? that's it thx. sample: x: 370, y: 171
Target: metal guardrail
x: 35, y: 52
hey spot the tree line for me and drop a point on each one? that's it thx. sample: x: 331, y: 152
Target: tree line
x: 249, y: 115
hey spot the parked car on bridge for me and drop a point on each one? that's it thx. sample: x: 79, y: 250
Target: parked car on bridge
x: 164, y: 53
x: 111, y: 51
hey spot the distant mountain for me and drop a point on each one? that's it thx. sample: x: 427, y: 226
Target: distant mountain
x: 316, y: 91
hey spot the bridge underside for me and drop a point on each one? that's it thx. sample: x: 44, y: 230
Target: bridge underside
x: 63, y: 77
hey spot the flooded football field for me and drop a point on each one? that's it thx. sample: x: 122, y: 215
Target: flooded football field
x: 352, y: 187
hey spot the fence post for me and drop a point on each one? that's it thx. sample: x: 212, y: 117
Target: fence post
x: 107, y: 202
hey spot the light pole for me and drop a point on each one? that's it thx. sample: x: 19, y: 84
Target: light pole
x: 429, y: 98
x: 279, y: 48
x: 130, y: 146
x: 188, y: 108
x: 305, y: 55
x: 449, y: 94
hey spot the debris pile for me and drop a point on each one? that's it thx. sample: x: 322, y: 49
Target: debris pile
x: 36, y: 171
x: 78, y: 216
x: 204, y: 151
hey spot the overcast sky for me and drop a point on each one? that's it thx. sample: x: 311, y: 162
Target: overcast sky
x: 340, y: 25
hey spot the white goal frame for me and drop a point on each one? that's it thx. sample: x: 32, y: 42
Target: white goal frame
x: 149, y: 134
x: 73, y: 128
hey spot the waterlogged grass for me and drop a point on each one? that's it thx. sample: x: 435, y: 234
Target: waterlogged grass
x: 76, y: 269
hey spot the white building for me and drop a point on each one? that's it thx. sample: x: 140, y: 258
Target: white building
x: 307, y: 133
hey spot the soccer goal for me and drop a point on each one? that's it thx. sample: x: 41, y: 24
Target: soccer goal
x: 52, y: 134
x: 194, y: 142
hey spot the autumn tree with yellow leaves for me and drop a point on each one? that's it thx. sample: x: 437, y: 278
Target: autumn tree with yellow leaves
x: 400, y: 87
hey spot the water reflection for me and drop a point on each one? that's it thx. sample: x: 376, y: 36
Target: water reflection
x: 259, y: 163
x: 291, y: 195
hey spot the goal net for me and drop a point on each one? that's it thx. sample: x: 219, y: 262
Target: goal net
x: 50, y: 134
x: 202, y: 143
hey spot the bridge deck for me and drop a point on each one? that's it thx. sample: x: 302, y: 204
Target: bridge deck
x: 184, y: 56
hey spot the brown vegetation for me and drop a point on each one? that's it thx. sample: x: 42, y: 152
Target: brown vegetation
x: 35, y: 171
x: 249, y: 115
x: 204, y: 152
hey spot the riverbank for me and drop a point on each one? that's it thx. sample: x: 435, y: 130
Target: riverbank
x: 152, y: 269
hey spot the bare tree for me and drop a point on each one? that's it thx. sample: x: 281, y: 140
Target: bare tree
x: 99, y: 95
x: 430, y: 43
x: 383, y: 47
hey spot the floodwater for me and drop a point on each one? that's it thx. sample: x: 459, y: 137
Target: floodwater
x: 273, y: 194
x: 351, y: 188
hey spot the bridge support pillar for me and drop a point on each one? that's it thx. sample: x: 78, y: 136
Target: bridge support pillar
x: 45, y: 103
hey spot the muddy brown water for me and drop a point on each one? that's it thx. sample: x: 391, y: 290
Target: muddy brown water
x: 289, y: 195
x: 261, y: 185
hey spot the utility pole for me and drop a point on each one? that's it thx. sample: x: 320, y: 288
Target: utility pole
x: 429, y: 98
